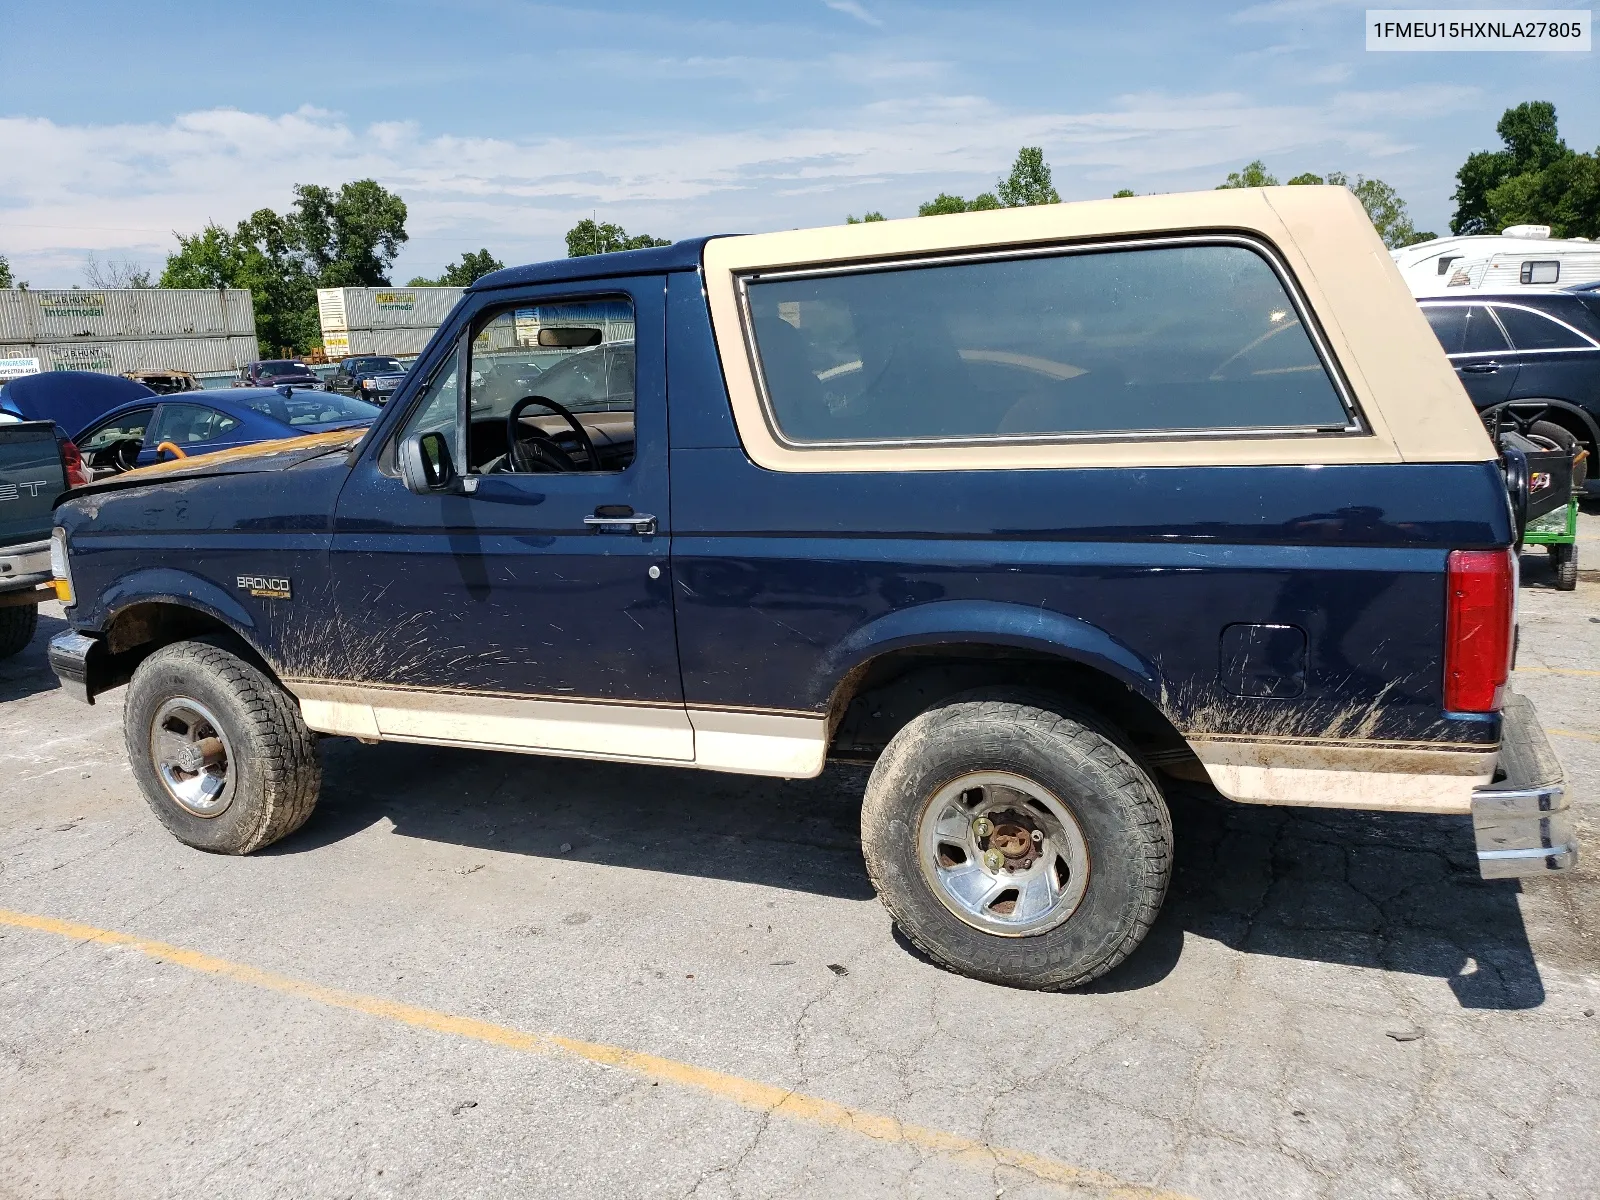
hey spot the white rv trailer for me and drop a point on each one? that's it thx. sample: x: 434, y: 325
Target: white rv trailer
x: 1523, y: 256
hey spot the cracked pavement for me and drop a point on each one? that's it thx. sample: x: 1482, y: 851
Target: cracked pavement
x: 1332, y: 1004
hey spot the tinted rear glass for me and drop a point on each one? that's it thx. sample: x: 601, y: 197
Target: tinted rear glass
x: 312, y: 408
x: 1197, y: 337
x: 1533, y: 331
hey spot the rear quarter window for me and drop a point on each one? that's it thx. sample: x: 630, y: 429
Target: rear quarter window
x: 1535, y: 331
x: 1188, y: 338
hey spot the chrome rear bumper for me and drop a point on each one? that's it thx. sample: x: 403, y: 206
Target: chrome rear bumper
x: 1522, y: 822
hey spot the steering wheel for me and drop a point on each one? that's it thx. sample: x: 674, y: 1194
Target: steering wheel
x: 539, y: 452
x: 125, y: 454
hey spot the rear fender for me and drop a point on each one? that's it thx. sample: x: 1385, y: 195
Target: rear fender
x: 985, y: 622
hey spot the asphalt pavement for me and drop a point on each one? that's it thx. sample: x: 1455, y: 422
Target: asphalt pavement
x: 489, y: 975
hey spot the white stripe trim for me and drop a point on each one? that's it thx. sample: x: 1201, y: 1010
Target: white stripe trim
x: 1388, y: 791
x: 781, y: 745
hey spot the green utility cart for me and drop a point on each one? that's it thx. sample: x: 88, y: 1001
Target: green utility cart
x: 1558, y: 529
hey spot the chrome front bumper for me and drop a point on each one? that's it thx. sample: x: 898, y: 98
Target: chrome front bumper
x: 1523, y: 822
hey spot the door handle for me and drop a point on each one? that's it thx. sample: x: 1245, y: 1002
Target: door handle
x: 640, y: 523
x: 1480, y: 369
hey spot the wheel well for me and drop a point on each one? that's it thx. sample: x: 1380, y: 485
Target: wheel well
x: 1573, y: 423
x: 139, y: 630
x: 879, y: 697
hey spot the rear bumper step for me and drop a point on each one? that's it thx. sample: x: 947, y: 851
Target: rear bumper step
x: 1523, y: 823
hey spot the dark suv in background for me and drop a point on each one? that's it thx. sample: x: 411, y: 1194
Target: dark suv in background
x: 1536, y: 352
x: 371, y: 377
x: 277, y: 372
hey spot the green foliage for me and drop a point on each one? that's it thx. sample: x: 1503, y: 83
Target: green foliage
x: 6, y: 280
x: 347, y: 238
x: 865, y: 219
x: 587, y: 237
x: 1029, y: 182
x: 1254, y: 175
x: 1307, y: 178
x: 474, y: 265
x: 1534, y: 180
x: 1123, y: 193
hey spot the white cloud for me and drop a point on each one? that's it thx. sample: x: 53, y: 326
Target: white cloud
x: 119, y: 189
x: 852, y: 9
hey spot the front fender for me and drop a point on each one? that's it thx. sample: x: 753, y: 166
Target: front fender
x: 985, y: 622
x: 166, y: 585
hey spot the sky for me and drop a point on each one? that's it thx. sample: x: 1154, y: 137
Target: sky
x: 502, y: 123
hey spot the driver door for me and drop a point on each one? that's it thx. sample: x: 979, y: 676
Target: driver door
x: 505, y: 613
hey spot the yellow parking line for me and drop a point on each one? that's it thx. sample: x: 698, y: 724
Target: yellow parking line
x: 1555, y: 671
x: 763, y: 1097
x: 1573, y: 733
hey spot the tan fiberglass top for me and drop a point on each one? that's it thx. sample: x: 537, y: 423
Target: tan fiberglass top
x: 1411, y: 401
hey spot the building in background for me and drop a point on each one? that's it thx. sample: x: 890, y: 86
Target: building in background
x: 386, y: 320
x: 209, y: 334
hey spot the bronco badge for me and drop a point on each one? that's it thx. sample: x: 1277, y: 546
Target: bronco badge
x: 264, y: 585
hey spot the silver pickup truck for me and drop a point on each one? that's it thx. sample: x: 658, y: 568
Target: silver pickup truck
x: 32, y: 475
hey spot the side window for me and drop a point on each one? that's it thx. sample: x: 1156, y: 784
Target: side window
x: 1547, y: 271
x: 1534, y: 331
x: 575, y: 355
x: 189, y: 424
x: 129, y: 427
x: 1483, y: 333
x: 437, y: 411
x: 1199, y: 337
x: 1449, y: 323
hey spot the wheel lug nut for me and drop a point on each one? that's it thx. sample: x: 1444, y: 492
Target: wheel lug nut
x: 983, y: 827
x: 994, y: 860
x: 1038, y: 835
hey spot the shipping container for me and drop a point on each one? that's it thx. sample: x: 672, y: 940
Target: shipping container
x: 402, y: 343
x: 385, y: 307
x: 198, y: 356
x: 39, y: 315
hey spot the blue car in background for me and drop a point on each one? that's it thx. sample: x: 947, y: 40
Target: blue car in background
x: 118, y: 424
x: 145, y: 432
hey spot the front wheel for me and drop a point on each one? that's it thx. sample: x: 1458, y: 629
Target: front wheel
x: 1015, y: 841
x: 219, y: 749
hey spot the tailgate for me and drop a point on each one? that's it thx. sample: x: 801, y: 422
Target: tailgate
x: 31, y: 477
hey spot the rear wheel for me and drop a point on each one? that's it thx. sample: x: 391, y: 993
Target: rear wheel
x: 18, y: 623
x: 1016, y: 841
x: 219, y: 749
x: 1565, y: 561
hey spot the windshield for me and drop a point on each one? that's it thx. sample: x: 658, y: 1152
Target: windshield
x: 313, y: 408
x: 369, y: 366
x: 271, y: 370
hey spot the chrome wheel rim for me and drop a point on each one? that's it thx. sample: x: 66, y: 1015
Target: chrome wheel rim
x: 1003, y: 853
x: 192, y: 757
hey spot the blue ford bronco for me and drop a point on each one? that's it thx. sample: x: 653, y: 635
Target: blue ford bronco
x: 1033, y: 510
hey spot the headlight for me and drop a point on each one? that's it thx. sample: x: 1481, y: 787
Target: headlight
x: 61, y: 566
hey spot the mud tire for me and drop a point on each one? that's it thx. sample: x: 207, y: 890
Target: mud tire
x: 1089, y: 768
x: 276, y: 776
x: 18, y: 624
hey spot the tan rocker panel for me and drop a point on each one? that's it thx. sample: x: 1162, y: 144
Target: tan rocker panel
x: 1414, y: 407
x: 784, y: 745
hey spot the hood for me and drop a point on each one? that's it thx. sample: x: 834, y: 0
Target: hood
x: 280, y: 455
x: 72, y: 399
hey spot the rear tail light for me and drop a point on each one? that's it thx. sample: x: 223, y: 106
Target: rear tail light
x: 1479, y: 617
x: 73, y: 461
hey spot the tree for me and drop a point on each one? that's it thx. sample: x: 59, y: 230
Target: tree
x: 349, y: 238
x: 6, y: 278
x: 474, y: 265
x: 1123, y: 193
x: 114, y: 274
x: 1535, y: 179
x: 944, y: 203
x: 588, y: 237
x: 1029, y: 181
x: 1254, y: 175
x: 865, y: 218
